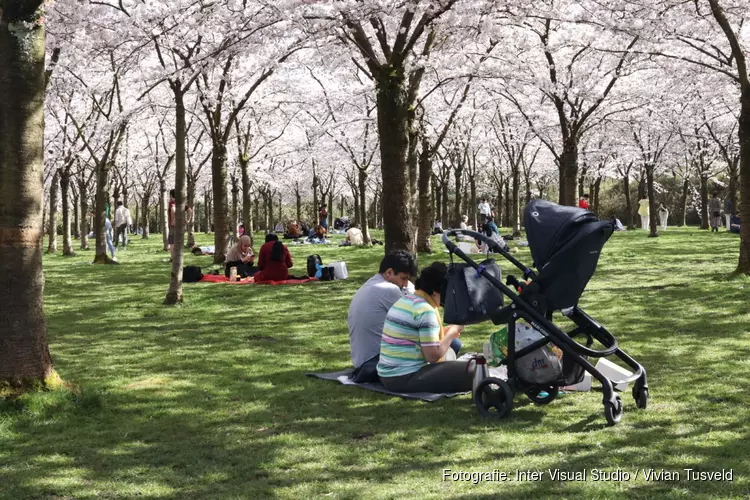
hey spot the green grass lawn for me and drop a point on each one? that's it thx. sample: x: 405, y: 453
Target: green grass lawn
x: 209, y: 399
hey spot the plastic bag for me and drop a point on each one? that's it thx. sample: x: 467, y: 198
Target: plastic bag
x: 541, y: 366
x: 496, y: 350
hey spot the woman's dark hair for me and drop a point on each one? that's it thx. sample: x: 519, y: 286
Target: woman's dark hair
x: 272, y: 237
x: 400, y: 261
x: 277, y: 251
x: 173, y: 193
x: 432, y: 278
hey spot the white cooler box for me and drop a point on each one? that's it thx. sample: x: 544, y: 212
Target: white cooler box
x: 466, y: 247
x: 339, y: 270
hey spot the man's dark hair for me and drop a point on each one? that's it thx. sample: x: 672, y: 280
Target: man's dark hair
x: 119, y: 203
x: 586, y: 195
x: 432, y: 278
x: 172, y: 193
x: 400, y: 261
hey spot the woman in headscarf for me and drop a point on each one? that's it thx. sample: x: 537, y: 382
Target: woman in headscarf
x: 241, y: 256
x: 274, y: 260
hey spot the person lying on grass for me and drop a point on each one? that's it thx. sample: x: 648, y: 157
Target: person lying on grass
x: 241, y: 256
x: 274, y: 261
x: 414, y: 342
x: 369, y: 307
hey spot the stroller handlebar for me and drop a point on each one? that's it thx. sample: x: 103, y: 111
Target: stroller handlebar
x: 492, y: 244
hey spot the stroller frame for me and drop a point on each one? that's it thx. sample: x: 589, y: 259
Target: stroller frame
x: 531, y: 309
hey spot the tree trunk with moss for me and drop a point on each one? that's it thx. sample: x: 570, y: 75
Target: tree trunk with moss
x: 24, y: 354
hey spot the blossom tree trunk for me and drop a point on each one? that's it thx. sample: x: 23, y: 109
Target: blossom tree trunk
x: 65, y: 190
x: 52, y: 221
x: 24, y: 354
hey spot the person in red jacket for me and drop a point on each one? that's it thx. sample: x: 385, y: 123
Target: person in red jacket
x: 274, y: 260
x: 584, y: 202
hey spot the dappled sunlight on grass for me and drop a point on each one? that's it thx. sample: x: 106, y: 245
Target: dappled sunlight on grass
x: 209, y: 399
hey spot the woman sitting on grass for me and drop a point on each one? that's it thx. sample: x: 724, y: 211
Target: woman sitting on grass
x: 319, y: 236
x: 414, y: 342
x: 274, y: 260
x: 241, y: 256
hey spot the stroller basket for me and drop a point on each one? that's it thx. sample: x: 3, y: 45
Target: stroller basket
x: 540, y: 295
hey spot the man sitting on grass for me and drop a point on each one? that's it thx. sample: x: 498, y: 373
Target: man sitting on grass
x: 354, y: 235
x: 369, y: 307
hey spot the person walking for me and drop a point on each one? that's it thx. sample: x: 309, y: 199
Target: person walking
x: 485, y: 211
x: 663, y: 216
x: 728, y: 212
x: 122, y: 222
x: 323, y: 215
x: 643, y: 211
x: 714, y: 212
x: 108, y: 238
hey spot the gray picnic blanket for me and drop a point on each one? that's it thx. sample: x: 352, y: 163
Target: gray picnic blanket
x: 343, y: 378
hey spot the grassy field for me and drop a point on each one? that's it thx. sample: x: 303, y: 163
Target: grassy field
x: 209, y: 399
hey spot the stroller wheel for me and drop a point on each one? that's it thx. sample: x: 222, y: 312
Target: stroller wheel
x: 493, y: 397
x: 536, y: 394
x: 640, y: 394
x: 613, y: 412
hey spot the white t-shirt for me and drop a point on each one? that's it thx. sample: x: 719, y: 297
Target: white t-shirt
x: 485, y: 209
x: 354, y: 235
x: 122, y: 216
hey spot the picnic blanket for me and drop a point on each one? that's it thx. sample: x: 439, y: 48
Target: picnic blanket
x: 342, y: 377
x: 214, y: 278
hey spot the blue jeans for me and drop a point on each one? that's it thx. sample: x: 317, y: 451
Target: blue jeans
x: 110, y: 245
x: 456, y: 346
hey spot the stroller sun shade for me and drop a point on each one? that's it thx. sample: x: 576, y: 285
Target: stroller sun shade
x: 565, y: 243
x: 550, y: 227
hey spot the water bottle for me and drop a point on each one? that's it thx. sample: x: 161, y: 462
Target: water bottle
x: 232, y: 273
x: 480, y: 370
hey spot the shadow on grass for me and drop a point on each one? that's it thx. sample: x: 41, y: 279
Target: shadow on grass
x: 209, y: 400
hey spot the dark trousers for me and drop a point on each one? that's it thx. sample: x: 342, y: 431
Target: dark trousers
x: 121, y: 229
x: 448, y: 376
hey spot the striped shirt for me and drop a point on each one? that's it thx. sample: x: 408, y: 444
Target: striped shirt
x: 410, y: 324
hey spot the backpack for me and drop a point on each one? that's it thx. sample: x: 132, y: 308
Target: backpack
x: 311, y: 261
x: 327, y: 274
x: 191, y: 274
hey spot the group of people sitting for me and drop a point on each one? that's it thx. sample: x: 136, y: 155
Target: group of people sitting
x: 396, y: 331
x: 296, y: 230
x: 273, y: 260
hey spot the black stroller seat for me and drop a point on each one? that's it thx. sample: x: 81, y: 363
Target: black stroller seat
x: 565, y: 243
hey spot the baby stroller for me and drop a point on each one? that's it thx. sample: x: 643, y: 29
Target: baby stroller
x: 565, y: 243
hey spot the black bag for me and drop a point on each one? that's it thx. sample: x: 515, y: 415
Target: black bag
x: 468, y: 296
x: 311, y: 261
x: 327, y: 274
x: 191, y: 274
x: 368, y: 372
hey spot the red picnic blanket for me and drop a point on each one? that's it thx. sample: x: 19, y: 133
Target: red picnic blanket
x: 213, y: 278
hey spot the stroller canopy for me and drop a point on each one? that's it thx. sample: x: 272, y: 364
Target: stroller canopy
x: 565, y: 243
x: 550, y: 227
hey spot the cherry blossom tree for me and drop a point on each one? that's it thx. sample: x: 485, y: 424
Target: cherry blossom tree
x: 24, y: 355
